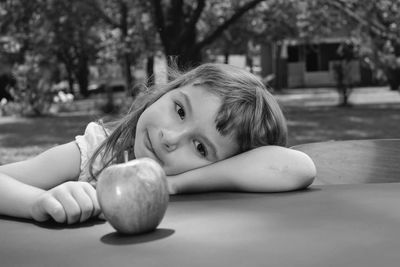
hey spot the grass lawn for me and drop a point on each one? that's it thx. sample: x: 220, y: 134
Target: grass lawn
x: 313, y: 115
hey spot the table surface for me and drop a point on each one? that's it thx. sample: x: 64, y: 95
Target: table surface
x: 328, y: 225
x: 355, y: 161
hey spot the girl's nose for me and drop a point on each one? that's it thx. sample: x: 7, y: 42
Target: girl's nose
x: 170, y: 139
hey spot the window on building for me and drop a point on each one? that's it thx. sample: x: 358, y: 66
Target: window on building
x: 293, y: 53
x: 313, y: 61
x: 318, y: 56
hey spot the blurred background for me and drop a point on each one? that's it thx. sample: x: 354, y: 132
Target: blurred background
x: 334, y: 65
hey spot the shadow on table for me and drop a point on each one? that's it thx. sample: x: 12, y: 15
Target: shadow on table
x: 213, y: 196
x: 117, y: 239
x: 52, y: 225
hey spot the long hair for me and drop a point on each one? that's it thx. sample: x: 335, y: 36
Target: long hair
x: 248, y: 112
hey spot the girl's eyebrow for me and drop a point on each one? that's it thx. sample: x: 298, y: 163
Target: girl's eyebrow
x: 187, y: 101
x: 208, y: 142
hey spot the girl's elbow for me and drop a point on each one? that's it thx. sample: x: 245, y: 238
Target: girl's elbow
x: 306, y: 173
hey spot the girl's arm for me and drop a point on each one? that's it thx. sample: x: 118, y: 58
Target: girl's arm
x: 48, y: 169
x: 16, y: 197
x: 36, y: 188
x: 264, y: 169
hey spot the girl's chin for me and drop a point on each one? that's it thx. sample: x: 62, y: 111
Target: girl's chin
x: 145, y: 153
x: 139, y: 152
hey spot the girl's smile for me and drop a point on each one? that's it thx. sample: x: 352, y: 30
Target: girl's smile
x: 150, y: 147
x: 179, y: 131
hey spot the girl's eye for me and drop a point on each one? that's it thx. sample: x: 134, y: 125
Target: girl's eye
x: 201, y: 149
x: 179, y: 110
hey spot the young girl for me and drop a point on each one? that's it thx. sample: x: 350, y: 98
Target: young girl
x: 214, y: 128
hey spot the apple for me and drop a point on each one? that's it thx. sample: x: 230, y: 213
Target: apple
x: 133, y: 196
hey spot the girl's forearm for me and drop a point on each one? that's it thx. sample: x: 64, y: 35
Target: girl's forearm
x: 264, y: 169
x: 16, y: 197
x: 204, y: 179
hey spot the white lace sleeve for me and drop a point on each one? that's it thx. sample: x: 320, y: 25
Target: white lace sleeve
x: 94, y: 135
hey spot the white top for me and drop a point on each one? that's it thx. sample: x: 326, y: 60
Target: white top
x: 94, y: 135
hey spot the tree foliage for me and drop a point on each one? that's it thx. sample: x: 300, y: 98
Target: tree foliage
x: 374, y: 24
x: 73, y: 39
x: 122, y: 32
x: 178, y: 24
x: 53, y: 29
x: 79, y: 33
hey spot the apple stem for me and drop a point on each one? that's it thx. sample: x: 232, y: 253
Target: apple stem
x: 126, y: 156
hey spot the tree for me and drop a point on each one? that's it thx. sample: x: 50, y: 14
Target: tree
x: 378, y: 23
x: 73, y: 39
x: 24, y: 21
x: 347, y: 52
x: 235, y: 39
x: 278, y: 22
x: 177, y: 23
x: 127, y: 18
x: 384, y: 38
x: 151, y: 42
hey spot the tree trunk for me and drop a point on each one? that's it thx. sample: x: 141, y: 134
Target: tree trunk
x: 150, y: 70
x: 226, y: 57
x: 70, y: 78
x: 126, y: 60
x: 278, y: 69
x: 184, y: 55
x: 82, y: 75
x: 69, y: 67
x: 393, y: 78
x: 126, y: 65
x: 189, y: 60
x: 177, y: 29
x: 344, y: 96
x: 249, y: 63
x: 343, y: 86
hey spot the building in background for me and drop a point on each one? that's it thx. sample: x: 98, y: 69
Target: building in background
x: 296, y: 63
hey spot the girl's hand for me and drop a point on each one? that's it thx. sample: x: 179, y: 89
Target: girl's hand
x: 70, y: 202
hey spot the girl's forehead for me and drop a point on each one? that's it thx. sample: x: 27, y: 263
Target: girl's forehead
x: 198, y: 90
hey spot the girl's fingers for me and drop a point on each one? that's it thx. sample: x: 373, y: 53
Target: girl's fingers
x: 85, y: 204
x: 71, y: 202
x: 54, y: 209
x: 71, y: 207
x: 91, y: 192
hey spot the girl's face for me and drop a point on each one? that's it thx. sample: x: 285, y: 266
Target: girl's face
x: 179, y: 131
